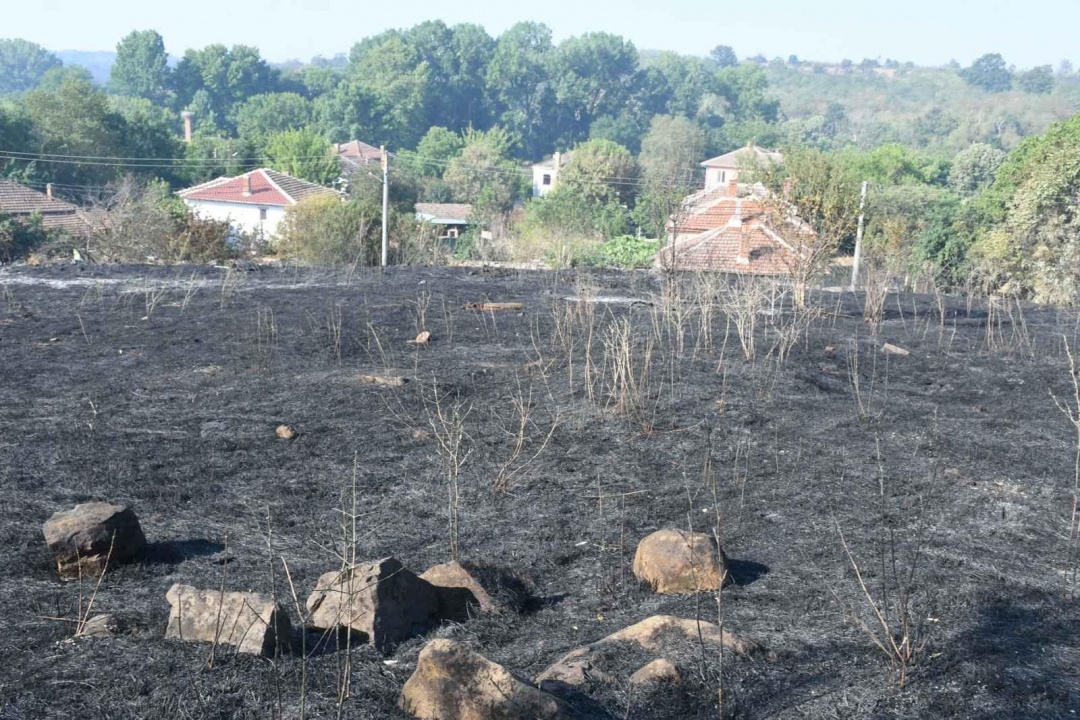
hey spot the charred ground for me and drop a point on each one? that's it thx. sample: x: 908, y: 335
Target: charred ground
x: 162, y: 388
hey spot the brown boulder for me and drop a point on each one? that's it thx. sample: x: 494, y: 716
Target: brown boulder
x: 252, y: 623
x: 675, y: 561
x: 467, y: 588
x: 660, y: 670
x: 88, y: 537
x: 452, y: 682
x: 381, y: 601
x: 661, y: 633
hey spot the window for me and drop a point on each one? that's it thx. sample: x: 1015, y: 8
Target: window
x: 547, y: 180
x: 452, y: 232
x: 262, y: 214
x: 723, y: 176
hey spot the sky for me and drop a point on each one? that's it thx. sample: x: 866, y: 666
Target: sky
x: 927, y: 32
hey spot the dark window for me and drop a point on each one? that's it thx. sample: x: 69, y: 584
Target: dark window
x: 547, y: 180
x: 262, y: 214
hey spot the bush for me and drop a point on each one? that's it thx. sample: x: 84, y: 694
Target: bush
x: 200, y: 240
x: 627, y: 251
x: 17, y: 238
x: 327, y: 231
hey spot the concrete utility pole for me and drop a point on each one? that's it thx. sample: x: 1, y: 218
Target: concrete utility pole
x: 858, y: 239
x: 385, y: 203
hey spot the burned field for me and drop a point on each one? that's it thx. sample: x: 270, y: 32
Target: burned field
x: 558, y: 435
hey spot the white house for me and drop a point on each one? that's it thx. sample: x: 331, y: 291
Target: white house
x: 723, y: 170
x: 254, y: 202
x: 546, y: 173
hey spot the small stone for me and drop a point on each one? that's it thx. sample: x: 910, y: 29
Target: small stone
x: 660, y: 670
x: 382, y: 602
x: 422, y: 338
x: 895, y: 349
x: 91, y: 536
x: 675, y: 561
x: 452, y: 682
x: 102, y: 626
x: 253, y: 623
x: 285, y: 432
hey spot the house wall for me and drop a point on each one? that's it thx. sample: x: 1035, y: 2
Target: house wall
x: 719, y: 177
x: 539, y: 188
x: 242, y: 216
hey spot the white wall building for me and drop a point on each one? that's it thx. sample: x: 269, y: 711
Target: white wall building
x: 724, y: 170
x: 254, y: 202
x: 546, y: 173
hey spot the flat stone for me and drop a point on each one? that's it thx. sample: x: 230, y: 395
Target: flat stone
x: 251, y: 623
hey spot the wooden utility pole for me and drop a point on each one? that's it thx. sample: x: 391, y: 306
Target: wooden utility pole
x: 858, y: 239
x: 385, y: 203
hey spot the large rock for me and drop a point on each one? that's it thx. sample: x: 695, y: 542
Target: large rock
x: 664, y: 634
x: 467, y: 588
x: 382, y: 602
x: 452, y: 682
x: 675, y: 561
x: 252, y: 623
x: 87, y: 538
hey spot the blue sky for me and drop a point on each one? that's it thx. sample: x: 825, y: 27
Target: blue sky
x: 1027, y: 33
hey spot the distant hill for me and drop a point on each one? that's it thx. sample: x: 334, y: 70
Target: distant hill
x: 98, y: 63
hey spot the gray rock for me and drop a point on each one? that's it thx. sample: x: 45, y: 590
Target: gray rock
x: 382, y: 602
x: 88, y: 537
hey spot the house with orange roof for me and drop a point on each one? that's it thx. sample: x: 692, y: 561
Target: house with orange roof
x: 730, y: 231
x: 254, y: 202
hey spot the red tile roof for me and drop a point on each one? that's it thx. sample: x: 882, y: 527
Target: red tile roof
x: 722, y: 233
x: 258, y: 187
x: 356, y: 153
x: 21, y: 202
x: 749, y: 250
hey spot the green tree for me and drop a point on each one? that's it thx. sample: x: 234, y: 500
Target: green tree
x: 990, y: 72
x: 724, y: 56
x: 518, y: 82
x: 23, y: 64
x: 303, y: 154
x: 262, y: 115
x: 1029, y: 243
x: 142, y: 67
x: 398, y: 82
x: 484, y: 175
x: 670, y: 154
x: 1037, y: 80
x: 74, y: 120
x: 974, y: 169
x: 433, y: 155
x: 591, y: 75
x: 822, y: 192
x: 225, y: 77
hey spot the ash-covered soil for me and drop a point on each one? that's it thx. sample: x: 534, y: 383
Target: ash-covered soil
x: 162, y: 388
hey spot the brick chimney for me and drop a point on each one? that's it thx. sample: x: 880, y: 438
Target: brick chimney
x: 189, y: 126
x: 733, y: 188
x: 743, y: 258
x: 247, y: 185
